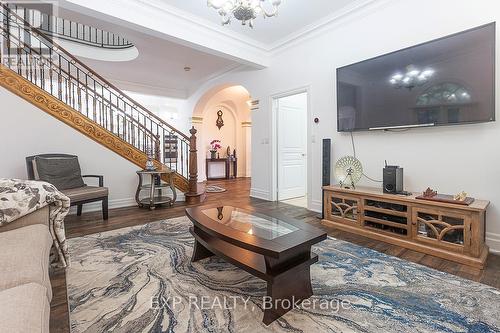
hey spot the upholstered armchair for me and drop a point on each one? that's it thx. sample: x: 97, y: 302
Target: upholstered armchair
x: 63, y: 171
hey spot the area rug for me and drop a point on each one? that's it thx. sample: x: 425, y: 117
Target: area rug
x: 140, y: 279
x: 214, y: 189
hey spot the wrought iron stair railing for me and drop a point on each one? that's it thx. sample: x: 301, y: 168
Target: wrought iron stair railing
x: 69, y: 30
x: 37, y: 58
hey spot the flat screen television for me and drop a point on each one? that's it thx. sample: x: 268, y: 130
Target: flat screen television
x: 446, y: 81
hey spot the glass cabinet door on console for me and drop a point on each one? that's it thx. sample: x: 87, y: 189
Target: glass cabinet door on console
x: 345, y: 209
x: 446, y: 229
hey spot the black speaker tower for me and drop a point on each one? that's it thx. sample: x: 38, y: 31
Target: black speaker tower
x: 326, y: 172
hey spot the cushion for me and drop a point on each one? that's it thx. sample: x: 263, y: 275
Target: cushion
x: 85, y: 193
x: 24, y: 257
x: 39, y: 216
x: 62, y: 172
x: 24, y: 309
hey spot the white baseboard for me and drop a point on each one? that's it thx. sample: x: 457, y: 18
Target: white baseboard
x: 115, y: 203
x: 493, y: 241
x: 260, y: 194
x: 316, y: 206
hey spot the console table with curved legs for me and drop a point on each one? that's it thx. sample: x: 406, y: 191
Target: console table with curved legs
x: 154, y: 187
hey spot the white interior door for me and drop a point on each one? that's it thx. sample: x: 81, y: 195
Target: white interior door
x: 292, y: 146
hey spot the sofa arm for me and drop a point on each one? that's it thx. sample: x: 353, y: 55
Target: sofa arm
x: 39, y: 216
x: 101, y: 179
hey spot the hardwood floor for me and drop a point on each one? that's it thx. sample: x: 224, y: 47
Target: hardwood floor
x: 238, y: 195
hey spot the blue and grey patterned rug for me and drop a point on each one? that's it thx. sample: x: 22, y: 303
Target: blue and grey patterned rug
x: 140, y: 279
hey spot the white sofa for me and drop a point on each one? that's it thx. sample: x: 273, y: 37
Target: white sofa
x: 25, y: 290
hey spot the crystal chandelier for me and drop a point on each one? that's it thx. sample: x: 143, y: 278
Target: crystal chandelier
x: 244, y: 10
x: 412, y: 78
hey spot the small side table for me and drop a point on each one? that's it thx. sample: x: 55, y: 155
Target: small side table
x: 155, y: 188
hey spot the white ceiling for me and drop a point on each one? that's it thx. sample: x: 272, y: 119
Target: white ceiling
x: 172, y: 34
x: 159, y: 67
x: 293, y: 16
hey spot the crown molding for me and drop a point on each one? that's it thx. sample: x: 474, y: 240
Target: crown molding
x: 200, y: 33
x: 269, y: 48
x: 206, y: 24
x: 324, y: 24
x: 157, y: 18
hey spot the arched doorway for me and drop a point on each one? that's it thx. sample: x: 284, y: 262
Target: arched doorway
x: 232, y: 103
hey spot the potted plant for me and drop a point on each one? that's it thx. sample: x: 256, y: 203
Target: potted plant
x: 214, y: 145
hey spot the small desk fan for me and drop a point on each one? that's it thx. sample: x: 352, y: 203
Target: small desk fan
x: 348, y: 170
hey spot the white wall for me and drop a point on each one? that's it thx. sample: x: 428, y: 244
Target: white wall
x: 26, y: 130
x: 449, y: 159
x: 236, y: 132
x: 226, y: 134
x: 171, y: 110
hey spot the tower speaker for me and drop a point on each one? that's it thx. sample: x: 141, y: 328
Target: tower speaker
x: 327, y: 151
x: 393, y: 179
x: 326, y: 171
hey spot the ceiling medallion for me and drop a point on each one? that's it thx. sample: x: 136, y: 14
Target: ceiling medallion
x: 244, y: 10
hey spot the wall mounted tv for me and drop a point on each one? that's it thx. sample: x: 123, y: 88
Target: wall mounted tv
x: 446, y: 81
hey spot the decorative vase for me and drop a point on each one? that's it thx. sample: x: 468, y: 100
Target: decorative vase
x: 213, y: 154
x: 150, y: 166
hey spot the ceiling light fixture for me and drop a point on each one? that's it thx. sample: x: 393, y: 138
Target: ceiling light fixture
x: 244, y: 10
x: 412, y: 78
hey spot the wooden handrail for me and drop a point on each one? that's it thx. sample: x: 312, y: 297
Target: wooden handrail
x: 69, y: 76
x: 94, y: 74
x: 48, y: 103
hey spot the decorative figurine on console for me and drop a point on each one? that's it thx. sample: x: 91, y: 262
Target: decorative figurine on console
x: 429, y: 193
x: 460, y: 196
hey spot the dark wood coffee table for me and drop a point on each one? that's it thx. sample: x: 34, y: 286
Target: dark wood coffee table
x: 274, y: 248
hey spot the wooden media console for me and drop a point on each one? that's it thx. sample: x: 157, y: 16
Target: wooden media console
x: 450, y: 231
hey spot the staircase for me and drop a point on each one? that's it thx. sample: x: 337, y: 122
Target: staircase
x: 54, y: 26
x: 35, y: 68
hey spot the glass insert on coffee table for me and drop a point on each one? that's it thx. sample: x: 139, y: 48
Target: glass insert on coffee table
x: 263, y: 227
x: 274, y: 248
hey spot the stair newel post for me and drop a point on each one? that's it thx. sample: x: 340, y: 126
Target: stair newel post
x: 195, y: 194
x: 193, y: 162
